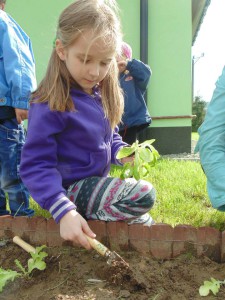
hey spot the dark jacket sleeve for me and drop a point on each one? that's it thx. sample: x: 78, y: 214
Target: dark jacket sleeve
x: 140, y: 72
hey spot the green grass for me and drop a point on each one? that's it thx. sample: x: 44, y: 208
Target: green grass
x: 39, y: 212
x: 195, y: 136
x: 181, y: 195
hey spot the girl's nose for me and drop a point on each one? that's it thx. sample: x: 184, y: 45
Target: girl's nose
x: 94, y: 70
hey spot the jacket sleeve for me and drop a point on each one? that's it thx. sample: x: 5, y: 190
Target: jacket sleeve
x: 117, y: 144
x: 140, y: 72
x: 211, y: 145
x: 19, y: 65
x: 38, y: 168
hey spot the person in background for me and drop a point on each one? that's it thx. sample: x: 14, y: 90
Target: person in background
x: 17, y: 81
x: 211, y: 145
x: 72, y: 136
x: 134, y: 78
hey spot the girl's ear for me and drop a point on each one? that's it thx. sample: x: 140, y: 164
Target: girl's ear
x: 60, y: 50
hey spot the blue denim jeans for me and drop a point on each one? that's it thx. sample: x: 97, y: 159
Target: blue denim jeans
x: 12, y: 138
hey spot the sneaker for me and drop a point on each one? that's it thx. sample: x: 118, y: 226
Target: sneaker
x: 4, y: 212
x: 145, y: 219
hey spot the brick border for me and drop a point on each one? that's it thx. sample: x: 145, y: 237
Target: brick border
x: 161, y: 241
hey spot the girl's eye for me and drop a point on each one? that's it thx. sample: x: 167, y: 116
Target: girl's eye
x: 103, y: 63
x: 84, y: 61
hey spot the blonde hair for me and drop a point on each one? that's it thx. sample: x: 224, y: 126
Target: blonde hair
x: 101, y: 16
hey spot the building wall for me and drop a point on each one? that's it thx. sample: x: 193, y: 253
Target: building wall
x: 170, y: 33
x: 169, y: 55
x: 169, y: 42
x: 170, y: 92
x: 38, y: 19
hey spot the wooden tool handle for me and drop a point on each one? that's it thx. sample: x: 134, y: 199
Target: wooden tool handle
x: 27, y: 247
x: 99, y: 247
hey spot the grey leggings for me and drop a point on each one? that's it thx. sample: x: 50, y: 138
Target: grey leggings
x: 112, y: 199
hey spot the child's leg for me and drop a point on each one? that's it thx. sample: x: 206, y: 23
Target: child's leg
x: 3, y: 210
x: 112, y: 199
x: 12, y: 140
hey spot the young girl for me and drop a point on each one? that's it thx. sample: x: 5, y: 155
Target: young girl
x: 72, y: 139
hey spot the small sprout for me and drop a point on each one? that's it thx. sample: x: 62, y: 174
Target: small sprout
x: 213, y: 286
x: 145, y: 157
x: 7, y: 275
x: 36, y: 262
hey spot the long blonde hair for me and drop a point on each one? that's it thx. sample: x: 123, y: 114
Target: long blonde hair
x: 101, y: 16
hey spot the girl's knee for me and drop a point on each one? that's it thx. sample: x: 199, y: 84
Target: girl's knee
x: 152, y: 197
x: 150, y: 193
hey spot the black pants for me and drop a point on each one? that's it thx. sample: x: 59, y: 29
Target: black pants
x: 129, y: 135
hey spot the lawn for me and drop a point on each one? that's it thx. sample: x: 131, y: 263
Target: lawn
x: 194, y: 136
x: 181, y: 195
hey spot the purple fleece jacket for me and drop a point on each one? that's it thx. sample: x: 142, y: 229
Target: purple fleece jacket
x: 63, y: 147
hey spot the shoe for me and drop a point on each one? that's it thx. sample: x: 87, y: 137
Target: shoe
x: 145, y: 219
x: 4, y: 212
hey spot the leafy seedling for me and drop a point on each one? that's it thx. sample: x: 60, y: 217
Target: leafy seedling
x: 7, y: 275
x: 35, y: 262
x: 213, y: 286
x: 145, y: 157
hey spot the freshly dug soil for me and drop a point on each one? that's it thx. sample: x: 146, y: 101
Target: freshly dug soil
x: 74, y: 273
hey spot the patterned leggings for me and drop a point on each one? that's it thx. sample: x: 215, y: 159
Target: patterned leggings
x: 111, y: 199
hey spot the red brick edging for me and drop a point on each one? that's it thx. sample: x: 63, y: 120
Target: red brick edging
x: 162, y: 241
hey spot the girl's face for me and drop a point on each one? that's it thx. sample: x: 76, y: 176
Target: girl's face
x: 87, y: 64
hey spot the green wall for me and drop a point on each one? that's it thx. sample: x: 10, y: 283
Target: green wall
x: 169, y: 42
x: 38, y: 19
x: 130, y: 16
x: 170, y: 32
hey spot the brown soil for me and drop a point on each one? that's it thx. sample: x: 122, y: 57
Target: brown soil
x: 73, y: 273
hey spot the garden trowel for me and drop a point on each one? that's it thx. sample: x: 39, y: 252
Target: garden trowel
x: 111, y: 256
x: 27, y: 247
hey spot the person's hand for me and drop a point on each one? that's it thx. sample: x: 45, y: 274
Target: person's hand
x: 122, y: 65
x: 127, y: 159
x: 21, y: 114
x: 72, y: 228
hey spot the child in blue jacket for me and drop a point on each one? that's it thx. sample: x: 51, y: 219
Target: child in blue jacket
x: 17, y: 81
x: 134, y: 78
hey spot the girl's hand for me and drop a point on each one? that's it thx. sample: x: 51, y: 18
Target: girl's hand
x: 72, y: 228
x: 127, y: 159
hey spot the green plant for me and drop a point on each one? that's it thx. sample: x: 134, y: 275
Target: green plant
x: 35, y: 262
x: 213, y: 286
x: 145, y: 157
x: 199, y: 110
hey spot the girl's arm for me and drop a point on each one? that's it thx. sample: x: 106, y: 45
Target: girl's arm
x: 117, y: 144
x: 43, y: 180
x: 39, y: 161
